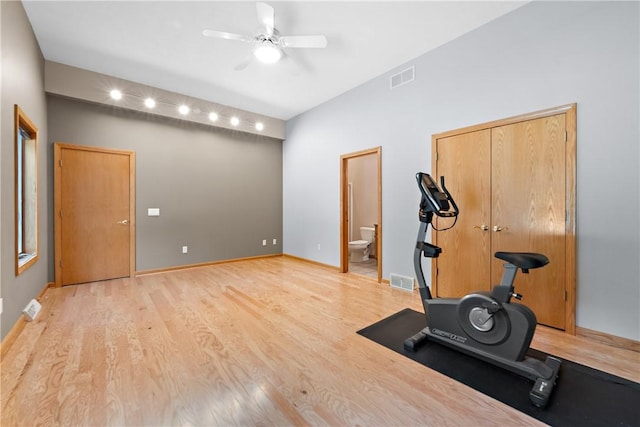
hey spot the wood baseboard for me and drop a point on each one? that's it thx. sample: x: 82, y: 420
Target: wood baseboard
x: 320, y: 264
x: 612, y: 340
x: 203, y: 264
x: 17, y: 328
x: 8, y: 340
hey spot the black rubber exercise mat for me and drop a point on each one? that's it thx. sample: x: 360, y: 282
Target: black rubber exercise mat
x: 582, y: 397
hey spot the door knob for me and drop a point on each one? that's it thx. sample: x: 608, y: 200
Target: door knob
x: 124, y: 222
x: 482, y: 227
x: 497, y: 228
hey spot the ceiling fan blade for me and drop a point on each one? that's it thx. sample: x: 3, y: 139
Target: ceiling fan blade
x: 266, y: 17
x: 227, y: 36
x: 244, y: 63
x: 304, y: 41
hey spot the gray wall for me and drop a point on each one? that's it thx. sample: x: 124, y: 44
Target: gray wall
x: 542, y: 55
x: 219, y: 191
x: 22, y: 84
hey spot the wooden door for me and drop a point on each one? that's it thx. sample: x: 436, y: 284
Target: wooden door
x: 528, y: 205
x: 518, y: 175
x: 94, y: 214
x: 463, y: 267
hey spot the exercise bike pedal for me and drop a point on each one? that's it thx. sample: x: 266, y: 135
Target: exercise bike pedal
x: 542, y: 389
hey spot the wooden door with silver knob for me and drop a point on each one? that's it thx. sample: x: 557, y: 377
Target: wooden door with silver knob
x: 94, y: 203
x: 529, y: 211
x: 463, y: 267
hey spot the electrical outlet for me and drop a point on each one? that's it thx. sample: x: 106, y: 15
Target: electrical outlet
x: 0, y: 305
x: 318, y: 246
x: 185, y: 249
x: 264, y: 243
x: 275, y: 242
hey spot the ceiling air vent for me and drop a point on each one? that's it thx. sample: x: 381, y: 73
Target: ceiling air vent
x: 403, y: 77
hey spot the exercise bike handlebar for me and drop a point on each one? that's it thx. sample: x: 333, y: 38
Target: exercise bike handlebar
x: 439, y: 202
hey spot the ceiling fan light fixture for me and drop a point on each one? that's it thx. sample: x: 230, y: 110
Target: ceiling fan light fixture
x: 267, y: 52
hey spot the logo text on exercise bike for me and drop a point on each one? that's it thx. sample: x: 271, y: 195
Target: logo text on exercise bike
x: 452, y: 337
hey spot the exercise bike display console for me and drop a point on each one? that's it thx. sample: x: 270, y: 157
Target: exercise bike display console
x: 485, y: 325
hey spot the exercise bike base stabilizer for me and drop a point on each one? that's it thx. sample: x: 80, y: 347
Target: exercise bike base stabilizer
x: 485, y: 325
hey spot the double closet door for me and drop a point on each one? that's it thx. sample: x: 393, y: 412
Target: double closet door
x: 511, y: 183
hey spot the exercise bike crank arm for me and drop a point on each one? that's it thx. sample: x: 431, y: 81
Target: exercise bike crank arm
x: 491, y: 308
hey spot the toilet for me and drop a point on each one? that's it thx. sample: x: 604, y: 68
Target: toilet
x: 359, y: 249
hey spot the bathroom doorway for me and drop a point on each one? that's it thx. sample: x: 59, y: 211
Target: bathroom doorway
x: 361, y: 207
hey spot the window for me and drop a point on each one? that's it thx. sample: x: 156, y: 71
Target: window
x: 26, y: 195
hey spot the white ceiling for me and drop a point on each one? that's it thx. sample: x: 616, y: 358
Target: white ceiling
x: 159, y: 43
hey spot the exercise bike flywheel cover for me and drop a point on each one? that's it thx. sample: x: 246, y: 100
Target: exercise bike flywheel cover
x: 467, y: 311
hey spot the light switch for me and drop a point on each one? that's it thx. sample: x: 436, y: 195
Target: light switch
x: 153, y: 212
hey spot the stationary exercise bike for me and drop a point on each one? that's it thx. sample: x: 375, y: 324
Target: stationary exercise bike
x: 482, y: 324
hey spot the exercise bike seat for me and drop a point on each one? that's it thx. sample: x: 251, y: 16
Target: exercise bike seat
x: 523, y: 260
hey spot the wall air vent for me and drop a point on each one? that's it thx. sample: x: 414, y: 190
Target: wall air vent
x: 405, y: 283
x: 31, y: 310
x: 403, y: 77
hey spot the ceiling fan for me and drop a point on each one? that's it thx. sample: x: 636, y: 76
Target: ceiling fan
x: 269, y: 45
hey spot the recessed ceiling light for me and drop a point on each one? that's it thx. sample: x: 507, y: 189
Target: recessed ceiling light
x: 235, y: 121
x: 184, y: 110
x: 149, y: 103
x: 259, y: 126
x: 115, y: 94
x: 213, y: 117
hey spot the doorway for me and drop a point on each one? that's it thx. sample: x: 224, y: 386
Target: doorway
x: 94, y: 210
x: 362, y: 186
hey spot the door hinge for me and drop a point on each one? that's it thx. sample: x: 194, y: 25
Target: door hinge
x: 60, y: 162
x: 566, y: 136
x: 436, y: 156
x: 60, y: 214
x: 60, y: 263
x: 565, y: 295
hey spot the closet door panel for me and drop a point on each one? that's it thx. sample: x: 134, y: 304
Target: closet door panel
x: 464, y: 265
x: 528, y: 209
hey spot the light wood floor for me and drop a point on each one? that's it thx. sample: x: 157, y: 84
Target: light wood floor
x: 263, y: 342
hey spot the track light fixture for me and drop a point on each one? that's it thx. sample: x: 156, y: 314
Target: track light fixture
x: 183, y: 109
